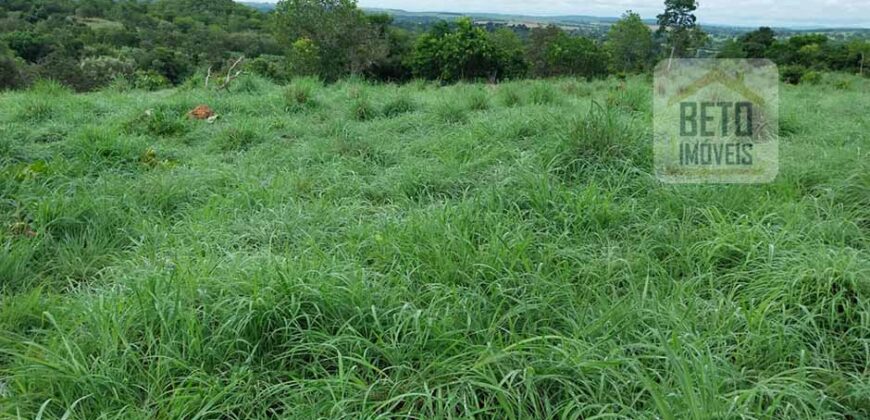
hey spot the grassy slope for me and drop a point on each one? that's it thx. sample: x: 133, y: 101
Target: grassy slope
x: 459, y: 251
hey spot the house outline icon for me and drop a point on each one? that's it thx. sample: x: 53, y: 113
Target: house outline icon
x: 717, y: 76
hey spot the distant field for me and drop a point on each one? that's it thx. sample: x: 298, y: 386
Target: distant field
x: 360, y: 250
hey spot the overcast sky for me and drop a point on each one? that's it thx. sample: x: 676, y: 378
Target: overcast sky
x: 853, y: 13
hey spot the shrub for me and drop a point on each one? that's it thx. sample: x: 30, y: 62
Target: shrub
x: 98, y: 72
x: 11, y: 74
x: 149, y: 80
x: 792, y: 74
x: 811, y: 77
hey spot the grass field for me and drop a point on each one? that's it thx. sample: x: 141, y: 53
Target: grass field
x: 355, y: 250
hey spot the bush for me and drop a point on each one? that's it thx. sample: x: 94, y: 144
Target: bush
x: 149, y: 80
x: 271, y: 67
x: 11, y: 74
x: 811, y: 77
x: 792, y: 74
x: 98, y: 72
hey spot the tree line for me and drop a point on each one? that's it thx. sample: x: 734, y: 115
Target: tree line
x: 89, y: 44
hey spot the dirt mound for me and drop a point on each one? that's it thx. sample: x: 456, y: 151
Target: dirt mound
x: 202, y: 112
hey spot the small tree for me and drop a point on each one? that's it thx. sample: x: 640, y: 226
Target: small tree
x: 466, y: 53
x: 338, y: 29
x: 537, y: 53
x: 630, y: 43
x: 510, y: 53
x: 303, y: 58
x: 678, y: 26
x: 578, y: 56
x: 756, y: 43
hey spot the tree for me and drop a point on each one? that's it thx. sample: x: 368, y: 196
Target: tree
x: 540, y: 40
x: 756, y: 43
x: 28, y: 45
x: 11, y: 74
x: 510, y: 53
x: 630, y: 44
x: 577, y: 56
x: 468, y: 53
x: 426, y: 58
x: 337, y: 28
x: 393, y: 65
x: 678, y: 26
x: 303, y: 58
x: 464, y: 54
x: 732, y: 49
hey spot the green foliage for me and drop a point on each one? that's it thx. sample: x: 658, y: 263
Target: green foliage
x: 149, y: 80
x: 792, y: 74
x: 336, y: 35
x: 11, y: 74
x: 510, y: 52
x: 577, y: 56
x: 466, y: 53
x: 679, y: 28
x: 161, y: 121
x: 304, y: 58
x: 630, y: 44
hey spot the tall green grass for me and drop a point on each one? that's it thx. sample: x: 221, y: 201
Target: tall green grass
x: 364, y: 251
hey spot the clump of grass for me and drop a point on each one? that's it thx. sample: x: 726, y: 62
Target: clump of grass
x: 300, y: 94
x: 401, y: 104
x: 100, y: 148
x: 634, y: 97
x: 249, y: 83
x: 49, y: 87
x: 451, y: 112
x: 36, y: 109
x: 241, y: 138
x: 362, y: 109
x: 478, y: 99
x: 603, y: 136
x: 161, y: 121
x: 510, y: 95
x: 543, y: 94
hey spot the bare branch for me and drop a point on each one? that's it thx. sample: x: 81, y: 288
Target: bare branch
x: 230, y: 76
x: 207, y: 77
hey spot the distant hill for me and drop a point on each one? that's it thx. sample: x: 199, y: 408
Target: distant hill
x: 265, y: 7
